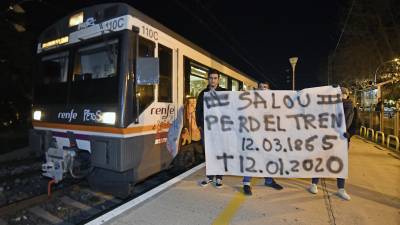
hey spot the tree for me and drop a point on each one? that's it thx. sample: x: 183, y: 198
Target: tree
x: 371, y: 37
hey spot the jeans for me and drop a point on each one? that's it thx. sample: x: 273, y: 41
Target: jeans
x: 268, y: 180
x: 210, y: 177
x: 340, y: 182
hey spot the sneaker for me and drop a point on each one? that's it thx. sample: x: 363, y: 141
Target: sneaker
x: 218, y: 184
x: 342, y: 193
x: 247, y: 190
x: 313, y: 189
x: 205, y: 182
x: 274, y: 185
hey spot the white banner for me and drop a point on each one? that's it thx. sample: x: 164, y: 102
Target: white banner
x: 276, y: 133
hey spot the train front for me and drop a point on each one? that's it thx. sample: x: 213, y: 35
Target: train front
x: 83, y: 95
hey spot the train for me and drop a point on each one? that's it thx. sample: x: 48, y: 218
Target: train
x: 114, y: 97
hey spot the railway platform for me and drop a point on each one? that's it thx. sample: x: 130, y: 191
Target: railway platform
x: 373, y: 184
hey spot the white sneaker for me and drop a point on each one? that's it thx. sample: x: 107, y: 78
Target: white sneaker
x: 313, y: 189
x: 218, y: 184
x: 342, y: 193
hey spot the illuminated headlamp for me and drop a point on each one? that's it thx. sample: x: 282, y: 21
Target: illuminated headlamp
x: 108, y: 117
x: 37, y: 115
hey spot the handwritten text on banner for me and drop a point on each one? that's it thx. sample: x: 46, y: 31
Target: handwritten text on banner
x: 276, y: 133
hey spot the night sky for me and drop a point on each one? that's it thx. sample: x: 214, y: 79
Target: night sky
x: 256, y: 37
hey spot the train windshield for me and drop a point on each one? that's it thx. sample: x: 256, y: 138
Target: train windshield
x: 92, y: 79
x: 55, y: 68
x: 96, y: 62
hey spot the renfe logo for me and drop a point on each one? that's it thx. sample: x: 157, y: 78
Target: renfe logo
x: 91, y: 116
x: 68, y: 115
x: 88, y: 23
x: 164, y: 111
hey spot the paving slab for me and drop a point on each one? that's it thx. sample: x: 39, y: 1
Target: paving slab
x: 373, y: 184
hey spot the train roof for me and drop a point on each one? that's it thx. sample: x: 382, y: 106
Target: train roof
x: 106, y: 11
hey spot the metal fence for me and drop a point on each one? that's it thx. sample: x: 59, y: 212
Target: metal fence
x: 377, y: 126
x: 386, y: 122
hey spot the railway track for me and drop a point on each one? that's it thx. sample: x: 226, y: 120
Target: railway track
x: 20, y: 179
x: 17, y: 168
x: 72, y: 204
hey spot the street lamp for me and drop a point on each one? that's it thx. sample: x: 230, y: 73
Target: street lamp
x: 293, y: 62
x: 377, y: 69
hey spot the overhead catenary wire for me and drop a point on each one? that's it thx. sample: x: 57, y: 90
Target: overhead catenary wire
x: 222, y: 39
x: 342, y: 32
x: 234, y: 41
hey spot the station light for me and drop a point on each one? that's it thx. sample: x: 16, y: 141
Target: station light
x: 108, y: 117
x: 19, y: 27
x: 76, y: 19
x: 37, y: 115
x: 16, y: 8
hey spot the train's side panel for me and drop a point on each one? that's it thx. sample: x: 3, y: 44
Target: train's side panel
x: 145, y: 151
x: 157, y: 147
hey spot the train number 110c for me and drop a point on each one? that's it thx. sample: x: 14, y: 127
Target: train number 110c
x: 148, y: 32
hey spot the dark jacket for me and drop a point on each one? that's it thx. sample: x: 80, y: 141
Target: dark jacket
x: 348, y: 109
x: 355, y: 124
x: 378, y: 106
x: 349, y: 114
x: 199, y: 106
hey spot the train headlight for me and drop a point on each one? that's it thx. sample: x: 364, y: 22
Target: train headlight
x: 76, y: 19
x: 108, y: 117
x: 37, y: 115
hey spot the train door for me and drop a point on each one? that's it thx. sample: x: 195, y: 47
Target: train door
x: 195, y: 82
x: 167, y: 91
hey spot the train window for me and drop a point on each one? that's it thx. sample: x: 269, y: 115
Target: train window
x: 198, y: 79
x: 96, y: 61
x: 165, y: 86
x: 199, y: 71
x: 235, y: 85
x: 145, y: 93
x: 223, y: 81
x: 53, y: 77
x: 55, y: 68
x: 146, y: 47
x: 197, y: 84
x: 95, y: 70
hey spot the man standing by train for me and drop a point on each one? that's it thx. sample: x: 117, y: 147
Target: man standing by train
x: 213, y: 85
x: 269, y: 181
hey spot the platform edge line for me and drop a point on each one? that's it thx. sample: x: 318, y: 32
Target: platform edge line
x: 122, y: 208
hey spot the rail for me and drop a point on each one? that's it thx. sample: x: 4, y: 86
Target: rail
x: 392, y: 137
x: 387, y: 121
x: 372, y: 132
x: 363, y: 131
x: 377, y: 133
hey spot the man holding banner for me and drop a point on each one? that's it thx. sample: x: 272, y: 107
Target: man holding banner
x: 269, y: 181
x: 213, y: 86
x: 348, y: 109
x: 291, y: 134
